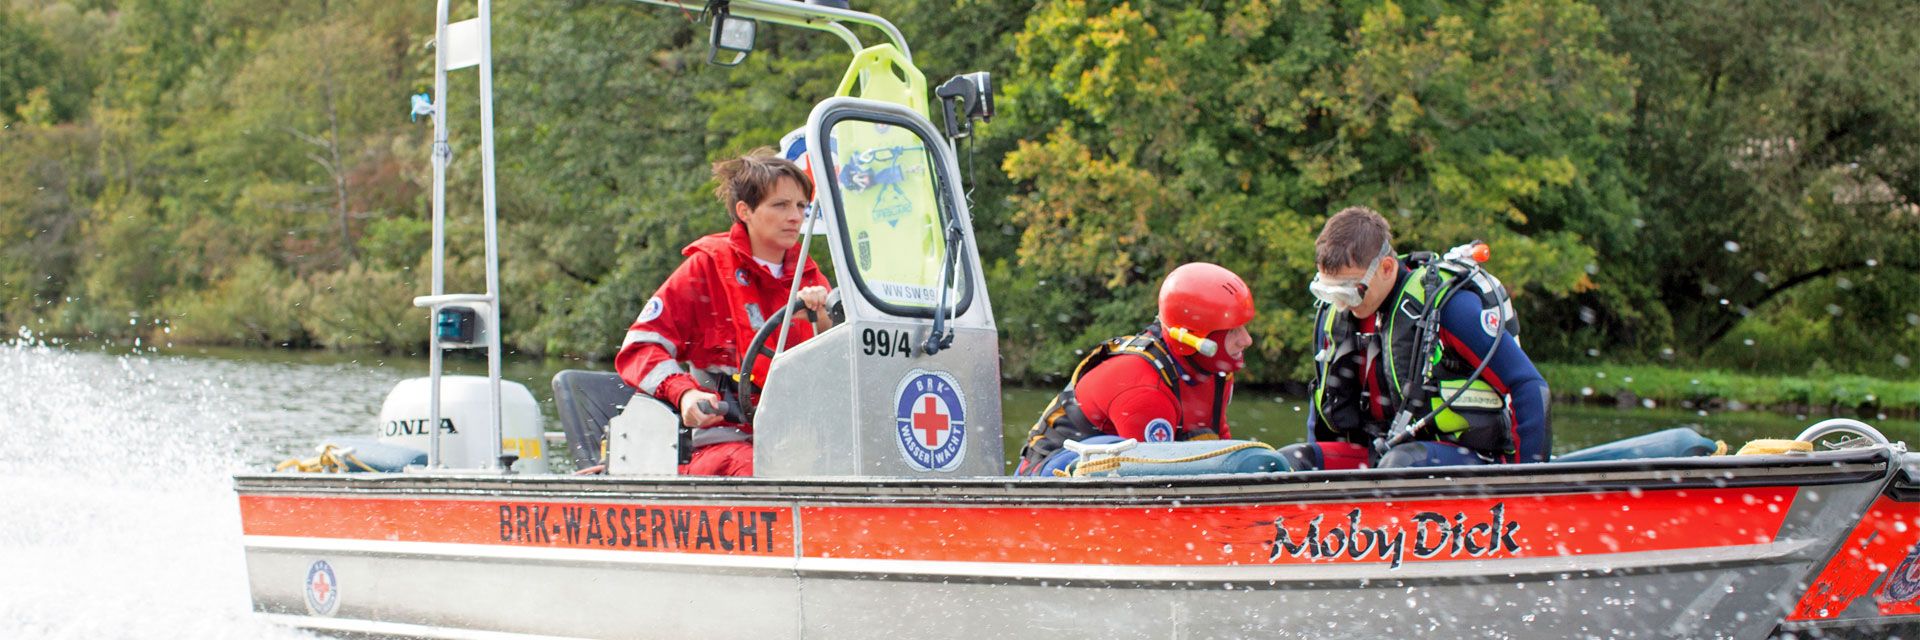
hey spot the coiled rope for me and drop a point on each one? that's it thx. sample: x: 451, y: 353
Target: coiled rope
x: 332, y: 459
x: 1089, y: 467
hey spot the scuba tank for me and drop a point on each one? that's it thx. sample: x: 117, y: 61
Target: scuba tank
x: 1462, y: 264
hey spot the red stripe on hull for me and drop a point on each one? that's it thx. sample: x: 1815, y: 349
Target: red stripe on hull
x: 744, y: 530
x: 1507, y: 527
x: 1879, y: 558
x: 1296, y: 533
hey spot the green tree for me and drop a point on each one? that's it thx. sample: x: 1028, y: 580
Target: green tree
x: 28, y: 63
x: 1775, y: 141
x: 47, y: 187
x: 1226, y: 131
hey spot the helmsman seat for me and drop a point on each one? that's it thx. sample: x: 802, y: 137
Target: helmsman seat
x: 586, y: 402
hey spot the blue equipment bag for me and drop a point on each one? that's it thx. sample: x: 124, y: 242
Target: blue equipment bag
x: 1678, y: 442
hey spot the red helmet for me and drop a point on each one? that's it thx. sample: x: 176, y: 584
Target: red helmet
x: 1200, y: 298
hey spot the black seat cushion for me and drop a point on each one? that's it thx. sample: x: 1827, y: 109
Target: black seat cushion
x: 587, y: 401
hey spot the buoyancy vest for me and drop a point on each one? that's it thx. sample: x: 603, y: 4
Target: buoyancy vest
x: 1479, y: 419
x: 1064, y: 420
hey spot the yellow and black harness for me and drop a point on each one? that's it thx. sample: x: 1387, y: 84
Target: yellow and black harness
x: 1063, y: 420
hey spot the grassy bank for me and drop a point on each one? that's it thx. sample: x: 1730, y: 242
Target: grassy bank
x: 1712, y: 388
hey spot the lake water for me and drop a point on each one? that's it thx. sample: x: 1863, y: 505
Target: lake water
x: 120, y: 520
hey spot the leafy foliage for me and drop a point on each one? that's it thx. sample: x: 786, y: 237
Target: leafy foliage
x: 1228, y: 131
x: 1728, y: 183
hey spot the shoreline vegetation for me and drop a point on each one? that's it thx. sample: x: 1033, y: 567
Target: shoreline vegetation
x: 1652, y: 386
x: 1625, y: 386
x: 1730, y: 190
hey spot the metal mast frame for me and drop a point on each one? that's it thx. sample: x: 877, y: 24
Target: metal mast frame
x: 783, y: 12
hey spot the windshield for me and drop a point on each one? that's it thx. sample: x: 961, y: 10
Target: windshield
x: 894, y: 212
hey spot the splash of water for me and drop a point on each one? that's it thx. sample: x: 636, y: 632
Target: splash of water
x: 119, y: 516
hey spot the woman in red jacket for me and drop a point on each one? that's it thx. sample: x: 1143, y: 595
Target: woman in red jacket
x: 712, y: 306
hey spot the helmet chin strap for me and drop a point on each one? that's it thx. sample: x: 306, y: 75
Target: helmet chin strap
x: 1218, y: 361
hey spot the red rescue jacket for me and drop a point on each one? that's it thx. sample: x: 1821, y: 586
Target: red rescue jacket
x: 1132, y: 387
x: 1124, y: 396
x: 705, y: 311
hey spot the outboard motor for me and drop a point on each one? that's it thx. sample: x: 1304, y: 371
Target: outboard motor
x: 463, y: 422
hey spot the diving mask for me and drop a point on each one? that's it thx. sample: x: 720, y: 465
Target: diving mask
x: 1344, y: 294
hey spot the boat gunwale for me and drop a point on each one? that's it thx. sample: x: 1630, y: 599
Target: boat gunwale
x: 1825, y: 468
x: 1250, y: 577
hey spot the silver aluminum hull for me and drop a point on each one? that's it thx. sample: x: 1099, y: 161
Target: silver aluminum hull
x: 1693, y: 548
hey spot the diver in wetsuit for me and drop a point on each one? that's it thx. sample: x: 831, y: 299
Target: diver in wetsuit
x: 1380, y: 371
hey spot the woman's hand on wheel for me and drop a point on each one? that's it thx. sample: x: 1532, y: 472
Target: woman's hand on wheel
x: 815, y: 297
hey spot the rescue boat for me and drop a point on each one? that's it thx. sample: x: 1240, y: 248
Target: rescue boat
x: 880, y: 508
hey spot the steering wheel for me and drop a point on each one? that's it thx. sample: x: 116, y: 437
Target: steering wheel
x: 761, y: 350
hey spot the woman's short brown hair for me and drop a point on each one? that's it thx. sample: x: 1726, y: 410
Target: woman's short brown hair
x: 1352, y: 238
x: 751, y: 177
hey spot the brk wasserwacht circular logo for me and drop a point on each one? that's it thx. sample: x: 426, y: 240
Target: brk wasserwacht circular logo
x: 930, y: 419
x: 323, y: 589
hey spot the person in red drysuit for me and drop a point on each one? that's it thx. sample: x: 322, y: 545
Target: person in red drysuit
x: 1177, y: 383
x: 712, y: 306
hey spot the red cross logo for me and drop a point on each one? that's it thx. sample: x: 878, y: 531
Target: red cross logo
x: 929, y: 420
x: 320, y: 587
